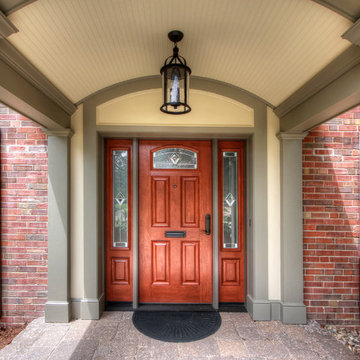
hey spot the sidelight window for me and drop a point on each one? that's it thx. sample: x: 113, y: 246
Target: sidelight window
x: 120, y: 198
x: 230, y: 200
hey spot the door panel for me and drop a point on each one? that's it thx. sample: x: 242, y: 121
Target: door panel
x: 189, y: 201
x: 160, y: 194
x: 174, y: 195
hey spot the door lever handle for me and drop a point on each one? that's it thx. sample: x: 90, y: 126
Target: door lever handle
x: 207, y: 224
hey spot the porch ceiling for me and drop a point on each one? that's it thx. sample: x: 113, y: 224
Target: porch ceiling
x: 269, y: 48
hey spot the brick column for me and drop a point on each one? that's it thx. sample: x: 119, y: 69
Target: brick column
x: 58, y: 306
x: 293, y: 310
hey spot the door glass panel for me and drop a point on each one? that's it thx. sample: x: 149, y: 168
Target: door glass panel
x: 174, y: 158
x: 120, y: 198
x: 230, y: 200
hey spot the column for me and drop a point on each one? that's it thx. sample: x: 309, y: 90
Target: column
x: 58, y: 306
x: 293, y: 310
x: 92, y: 304
x: 258, y: 304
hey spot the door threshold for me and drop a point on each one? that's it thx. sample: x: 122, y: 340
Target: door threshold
x: 232, y: 307
x: 118, y: 306
x: 175, y: 307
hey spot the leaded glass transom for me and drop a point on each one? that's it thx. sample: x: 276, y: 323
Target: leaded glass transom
x: 120, y: 198
x: 174, y: 158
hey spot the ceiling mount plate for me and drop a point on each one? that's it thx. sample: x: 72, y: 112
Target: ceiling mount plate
x: 175, y: 36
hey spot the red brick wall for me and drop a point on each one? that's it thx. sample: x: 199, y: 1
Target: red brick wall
x: 24, y: 218
x: 331, y: 221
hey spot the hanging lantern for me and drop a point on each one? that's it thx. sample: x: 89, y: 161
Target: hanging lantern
x: 175, y: 80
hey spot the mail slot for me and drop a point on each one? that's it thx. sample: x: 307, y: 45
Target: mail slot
x: 175, y: 234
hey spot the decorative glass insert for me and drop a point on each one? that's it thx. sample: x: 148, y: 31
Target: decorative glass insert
x: 230, y: 200
x: 120, y: 198
x: 174, y: 158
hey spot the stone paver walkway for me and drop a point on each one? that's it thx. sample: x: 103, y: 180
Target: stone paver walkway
x: 115, y: 337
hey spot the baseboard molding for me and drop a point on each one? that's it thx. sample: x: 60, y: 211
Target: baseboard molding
x: 76, y: 308
x: 288, y: 313
x: 92, y: 309
x: 293, y: 313
x: 259, y: 310
x: 275, y: 309
x: 57, y: 311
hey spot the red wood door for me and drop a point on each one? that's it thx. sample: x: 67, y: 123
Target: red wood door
x: 175, y: 195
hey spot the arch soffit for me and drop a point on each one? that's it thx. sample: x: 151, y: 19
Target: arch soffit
x: 154, y: 82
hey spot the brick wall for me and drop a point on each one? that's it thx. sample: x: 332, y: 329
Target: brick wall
x: 24, y: 218
x: 331, y: 221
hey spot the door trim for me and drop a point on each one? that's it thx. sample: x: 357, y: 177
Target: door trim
x: 215, y: 224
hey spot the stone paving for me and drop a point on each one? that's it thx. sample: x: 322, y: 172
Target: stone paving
x: 115, y: 337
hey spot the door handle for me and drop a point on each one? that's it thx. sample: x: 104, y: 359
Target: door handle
x: 207, y: 224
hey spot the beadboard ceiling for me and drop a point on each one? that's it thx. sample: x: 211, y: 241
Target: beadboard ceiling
x: 267, y: 47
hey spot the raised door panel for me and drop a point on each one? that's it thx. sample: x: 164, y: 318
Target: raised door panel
x: 120, y: 271
x: 230, y: 272
x: 160, y: 262
x: 189, y: 201
x: 190, y: 263
x: 160, y: 201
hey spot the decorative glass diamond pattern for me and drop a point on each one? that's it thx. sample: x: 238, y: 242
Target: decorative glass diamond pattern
x: 175, y: 158
x: 230, y: 199
x: 120, y: 198
x: 230, y: 196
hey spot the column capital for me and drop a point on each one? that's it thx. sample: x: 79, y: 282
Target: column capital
x: 292, y: 135
x: 65, y: 133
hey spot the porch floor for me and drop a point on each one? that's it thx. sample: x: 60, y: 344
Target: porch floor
x: 115, y: 337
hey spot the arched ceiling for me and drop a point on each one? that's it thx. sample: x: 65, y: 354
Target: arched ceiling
x: 269, y: 48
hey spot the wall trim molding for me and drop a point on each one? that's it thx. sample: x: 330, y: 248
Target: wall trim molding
x: 338, y: 7
x: 353, y: 34
x: 343, y: 63
x: 65, y: 133
x: 11, y: 56
x: 292, y: 135
x: 154, y: 82
x: 6, y: 26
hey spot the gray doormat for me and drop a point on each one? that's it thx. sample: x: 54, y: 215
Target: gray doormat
x: 177, y: 326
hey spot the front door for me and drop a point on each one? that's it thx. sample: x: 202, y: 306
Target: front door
x: 175, y: 209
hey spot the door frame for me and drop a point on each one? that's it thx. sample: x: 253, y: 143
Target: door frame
x: 215, y: 214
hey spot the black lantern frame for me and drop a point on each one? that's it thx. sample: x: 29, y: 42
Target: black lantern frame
x: 175, y: 80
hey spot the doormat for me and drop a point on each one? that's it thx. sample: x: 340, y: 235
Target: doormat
x: 177, y: 326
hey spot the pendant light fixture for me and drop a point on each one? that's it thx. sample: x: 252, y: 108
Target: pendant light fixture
x: 175, y: 80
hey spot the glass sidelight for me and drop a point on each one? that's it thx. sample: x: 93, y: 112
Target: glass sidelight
x: 118, y: 212
x: 230, y: 200
x: 120, y: 198
x: 231, y: 221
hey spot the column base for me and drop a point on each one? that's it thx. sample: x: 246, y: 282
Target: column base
x: 92, y: 309
x: 258, y: 309
x: 293, y: 313
x: 57, y: 312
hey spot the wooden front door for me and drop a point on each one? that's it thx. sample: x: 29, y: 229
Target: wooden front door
x: 175, y: 209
